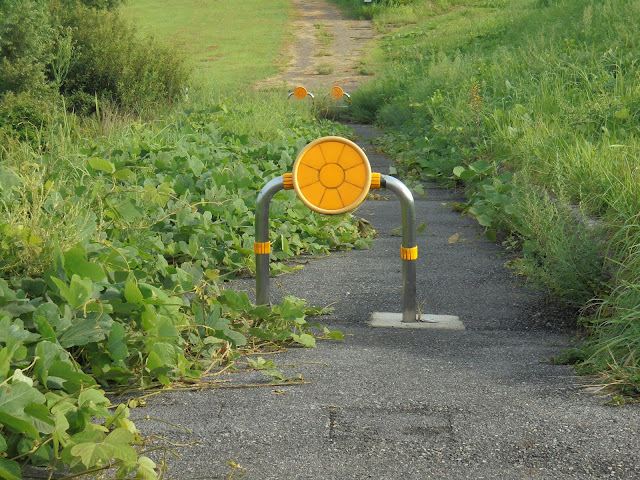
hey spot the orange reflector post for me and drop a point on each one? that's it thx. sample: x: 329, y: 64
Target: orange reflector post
x: 287, y: 181
x: 336, y: 93
x: 376, y: 179
x: 263, y: 248
x: 409, y: 253
x: 300, y: 93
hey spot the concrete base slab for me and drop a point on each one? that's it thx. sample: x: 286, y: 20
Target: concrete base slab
x: 427, y: 320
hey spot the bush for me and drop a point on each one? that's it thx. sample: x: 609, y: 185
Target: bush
x: 25, y: 45
x: 23, y: 115
x: 84, y: 49
x: 111, y: 62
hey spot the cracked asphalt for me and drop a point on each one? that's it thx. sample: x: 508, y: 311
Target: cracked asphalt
x: 482, y: 403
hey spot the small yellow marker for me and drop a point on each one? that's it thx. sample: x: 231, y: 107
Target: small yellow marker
x: 332, y: 175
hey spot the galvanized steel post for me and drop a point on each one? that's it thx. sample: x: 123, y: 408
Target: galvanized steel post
x: 262, y: 247
x: 409, y: 248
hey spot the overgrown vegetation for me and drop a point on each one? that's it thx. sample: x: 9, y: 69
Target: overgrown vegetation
x: 533, y: 106
x: 118, y: 233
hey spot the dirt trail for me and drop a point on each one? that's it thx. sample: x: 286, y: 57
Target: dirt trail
x: 326, y: 49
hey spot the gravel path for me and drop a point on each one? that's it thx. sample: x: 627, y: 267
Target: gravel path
x: 326, y: 50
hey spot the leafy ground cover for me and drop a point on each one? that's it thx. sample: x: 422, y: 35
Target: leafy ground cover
x: 533, y: 107
x: 114, y: 258
x: 118, y: 232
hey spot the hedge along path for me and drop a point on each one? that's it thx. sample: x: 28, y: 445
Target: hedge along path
x: 326, y: 48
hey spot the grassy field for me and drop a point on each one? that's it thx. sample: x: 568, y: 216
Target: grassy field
x: 533, y: 106
x: 232, y: 43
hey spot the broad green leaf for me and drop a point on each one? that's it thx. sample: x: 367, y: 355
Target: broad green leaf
x: 146, y: 469
x: 132, y: 293
x: 77, y: 293
x: 48, y: 353
x: 9, y: 470
x: 18, y: 376
x: 123, y: 174
x: 304, y: 339
x: 51, y: 313
x: 93, y: 454
x: 166, y: 355
x: 91, y: 398
x: 154, y: 361
x: 44, y: 328
x: 165, y: 329
x: 185, y: 279
x: 457, y: 171
x: 467, y: 174
x: 196, y: 165
x: 14, y: 397
x: 101, y: 164
x: 5, y: 363
x: 484, y: 220
x: 17, y: 424
x: 116, y: 345
x: 73, y: 380
x: 217, y: 322
x: 129, y: 211
x: 480, y: 166
x: 41, y: 417
x: 290, y: 312
x: 336, y: 335
x: 236, y: 338
x: 92, y: 329
x: 237, y: 300
x: 75, y: 262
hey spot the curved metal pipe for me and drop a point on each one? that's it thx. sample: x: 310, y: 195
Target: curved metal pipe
x: 262, y: 236
x: 409, y: 273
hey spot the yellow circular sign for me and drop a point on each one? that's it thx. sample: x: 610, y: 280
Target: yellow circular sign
x: 332, y: 175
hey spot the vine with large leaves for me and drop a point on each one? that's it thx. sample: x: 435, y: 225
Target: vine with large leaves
x: 114, y: 267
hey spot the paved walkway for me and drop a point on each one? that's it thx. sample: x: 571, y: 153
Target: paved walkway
x: 411, y: 404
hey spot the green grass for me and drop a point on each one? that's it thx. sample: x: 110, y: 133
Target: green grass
x: 231, y: 43
x: 533, y: 106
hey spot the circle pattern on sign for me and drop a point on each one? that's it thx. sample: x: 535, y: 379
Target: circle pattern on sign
x: 332, y: 175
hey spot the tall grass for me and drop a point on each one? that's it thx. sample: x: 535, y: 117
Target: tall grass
x: 548, y: 92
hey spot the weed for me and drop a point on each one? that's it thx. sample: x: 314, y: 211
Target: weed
x: 324, y: 69
x: 324, y: 36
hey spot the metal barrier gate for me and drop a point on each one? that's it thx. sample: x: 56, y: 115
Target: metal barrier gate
x: 332, y: 175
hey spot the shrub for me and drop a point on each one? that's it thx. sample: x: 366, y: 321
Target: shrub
x: 23, y: 115
x: 25, y: 45
x: 111, y: 62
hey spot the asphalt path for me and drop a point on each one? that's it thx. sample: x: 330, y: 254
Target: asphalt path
x: 482, y: 403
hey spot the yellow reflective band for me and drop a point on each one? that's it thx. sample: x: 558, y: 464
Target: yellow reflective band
x: 287, y: 181
x: 376, y: 178
x: 409, y: 253
x: 262, y: 248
